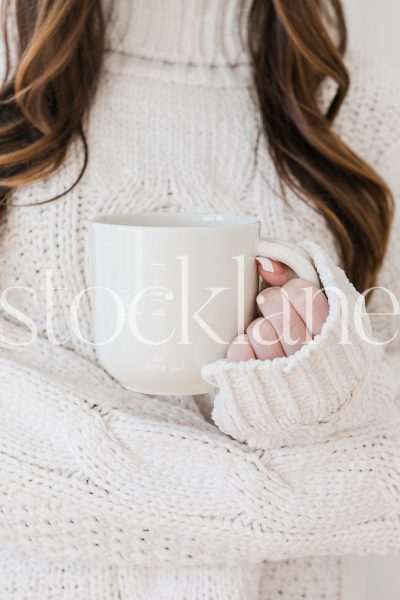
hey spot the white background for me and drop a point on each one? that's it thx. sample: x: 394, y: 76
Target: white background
x: 374, y: 27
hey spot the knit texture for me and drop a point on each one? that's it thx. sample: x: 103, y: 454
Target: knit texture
x: 331, y: 369
x: 109, y: 494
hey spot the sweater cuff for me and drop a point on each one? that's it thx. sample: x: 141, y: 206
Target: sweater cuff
x: 309, y: 395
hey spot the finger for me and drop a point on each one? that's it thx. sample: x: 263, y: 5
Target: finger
x: 264, y: 340
x: 273, y: 272
x: 240, y: 349
x: 291, y: 330
x: 309, y: 302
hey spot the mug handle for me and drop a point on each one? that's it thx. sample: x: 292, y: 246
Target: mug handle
x: 291, y: 255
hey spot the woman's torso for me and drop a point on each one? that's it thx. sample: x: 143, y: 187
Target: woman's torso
x: 173, y: 127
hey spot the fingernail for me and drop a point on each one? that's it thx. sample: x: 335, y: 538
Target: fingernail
x: 260, y: 299
x: 266, y: 264
x: 278, y: 267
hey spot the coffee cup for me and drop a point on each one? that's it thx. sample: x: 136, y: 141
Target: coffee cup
x: 169, y: 293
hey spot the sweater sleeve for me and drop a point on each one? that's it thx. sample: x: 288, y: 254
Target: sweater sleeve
x: 337, y: 381
x: 94, y: 474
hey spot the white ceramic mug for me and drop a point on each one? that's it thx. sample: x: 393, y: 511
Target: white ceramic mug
x: 171, y: 291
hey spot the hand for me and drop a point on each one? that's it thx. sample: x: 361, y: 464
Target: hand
x: 293, y: 312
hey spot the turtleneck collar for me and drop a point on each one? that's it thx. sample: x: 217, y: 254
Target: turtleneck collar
x: 195, y: 32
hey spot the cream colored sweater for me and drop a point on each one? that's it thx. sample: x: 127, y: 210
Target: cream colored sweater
x: 107, y: 494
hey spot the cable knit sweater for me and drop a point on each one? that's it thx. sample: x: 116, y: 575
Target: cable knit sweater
x: 109, y: 494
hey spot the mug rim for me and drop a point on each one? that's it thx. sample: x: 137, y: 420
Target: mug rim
x: 168, y: 220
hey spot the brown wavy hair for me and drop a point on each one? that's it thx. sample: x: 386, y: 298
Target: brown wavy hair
x: 294, y: 47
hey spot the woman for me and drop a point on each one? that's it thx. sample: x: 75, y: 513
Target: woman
x: 147, y: 105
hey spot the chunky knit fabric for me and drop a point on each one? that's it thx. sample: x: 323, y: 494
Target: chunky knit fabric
x: 109, y: 494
